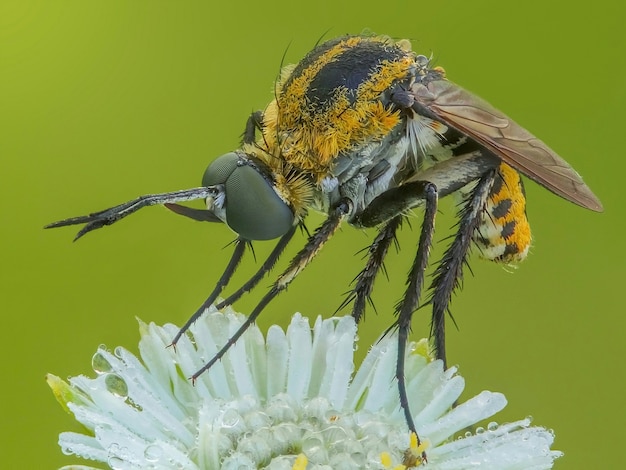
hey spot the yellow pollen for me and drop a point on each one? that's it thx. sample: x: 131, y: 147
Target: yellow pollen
x: 300, y: 463
x: 413, y: 455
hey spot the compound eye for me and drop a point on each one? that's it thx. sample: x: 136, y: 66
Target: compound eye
x: 252, y: 207
x: 220, y: 169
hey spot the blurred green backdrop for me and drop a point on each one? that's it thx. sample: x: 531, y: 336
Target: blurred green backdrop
x: 104, y: 101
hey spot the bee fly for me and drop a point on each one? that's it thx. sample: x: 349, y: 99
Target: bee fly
x: 363, y: 129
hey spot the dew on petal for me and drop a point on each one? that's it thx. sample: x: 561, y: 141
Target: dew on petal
x: 257, y: 420
x: 230, y: 418
x: 212, y: 425
x: 255, y: 449
x: 116, y: 385
x: 117, y: 463
x: 100, y: 364
x: 318, y: 408
x: 336, y: 434
x: 315, y: 449
x: 153, y: 453
x: 67, y: 450
x: 281, y: 409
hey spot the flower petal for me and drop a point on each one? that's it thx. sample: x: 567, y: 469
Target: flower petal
x: 286, y: 402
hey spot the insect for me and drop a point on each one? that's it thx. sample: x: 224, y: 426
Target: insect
x: 364, y: 129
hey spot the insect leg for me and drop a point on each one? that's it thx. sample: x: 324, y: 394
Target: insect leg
x: 263, y: 270
x: 240, y: 248
x: 449, y: 273
x: 240, y: 245
x: 448, y: 176
x: 113, y: 214
x: 254, y: 123
x: 438, y: 181
x: 365, y: 279
x: 410, y: 301
x: 315, y: 243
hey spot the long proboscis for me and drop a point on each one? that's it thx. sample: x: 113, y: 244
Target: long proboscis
x: 111, y: 215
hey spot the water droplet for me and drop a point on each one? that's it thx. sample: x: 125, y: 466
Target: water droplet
x: 314, y: 448
x: 284, y: 434
x: 335, y: 434
x: 230, y: 418
x: 153, y: 453
x: 116, y: 385
x: 480, y: 430
x: 492, y: 426
x: 116, y: 463
x: 317, y: 408
x: 99, y: 364
x: 257, y: 420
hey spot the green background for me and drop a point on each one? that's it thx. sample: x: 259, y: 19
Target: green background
x: 103, y: 101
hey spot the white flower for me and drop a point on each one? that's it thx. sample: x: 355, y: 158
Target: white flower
x: 287, y: 402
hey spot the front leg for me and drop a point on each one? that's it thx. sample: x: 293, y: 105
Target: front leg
x: 254, y: 123
x: 111, y: 215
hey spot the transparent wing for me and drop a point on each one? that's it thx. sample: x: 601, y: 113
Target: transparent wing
x: 516, y: 146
